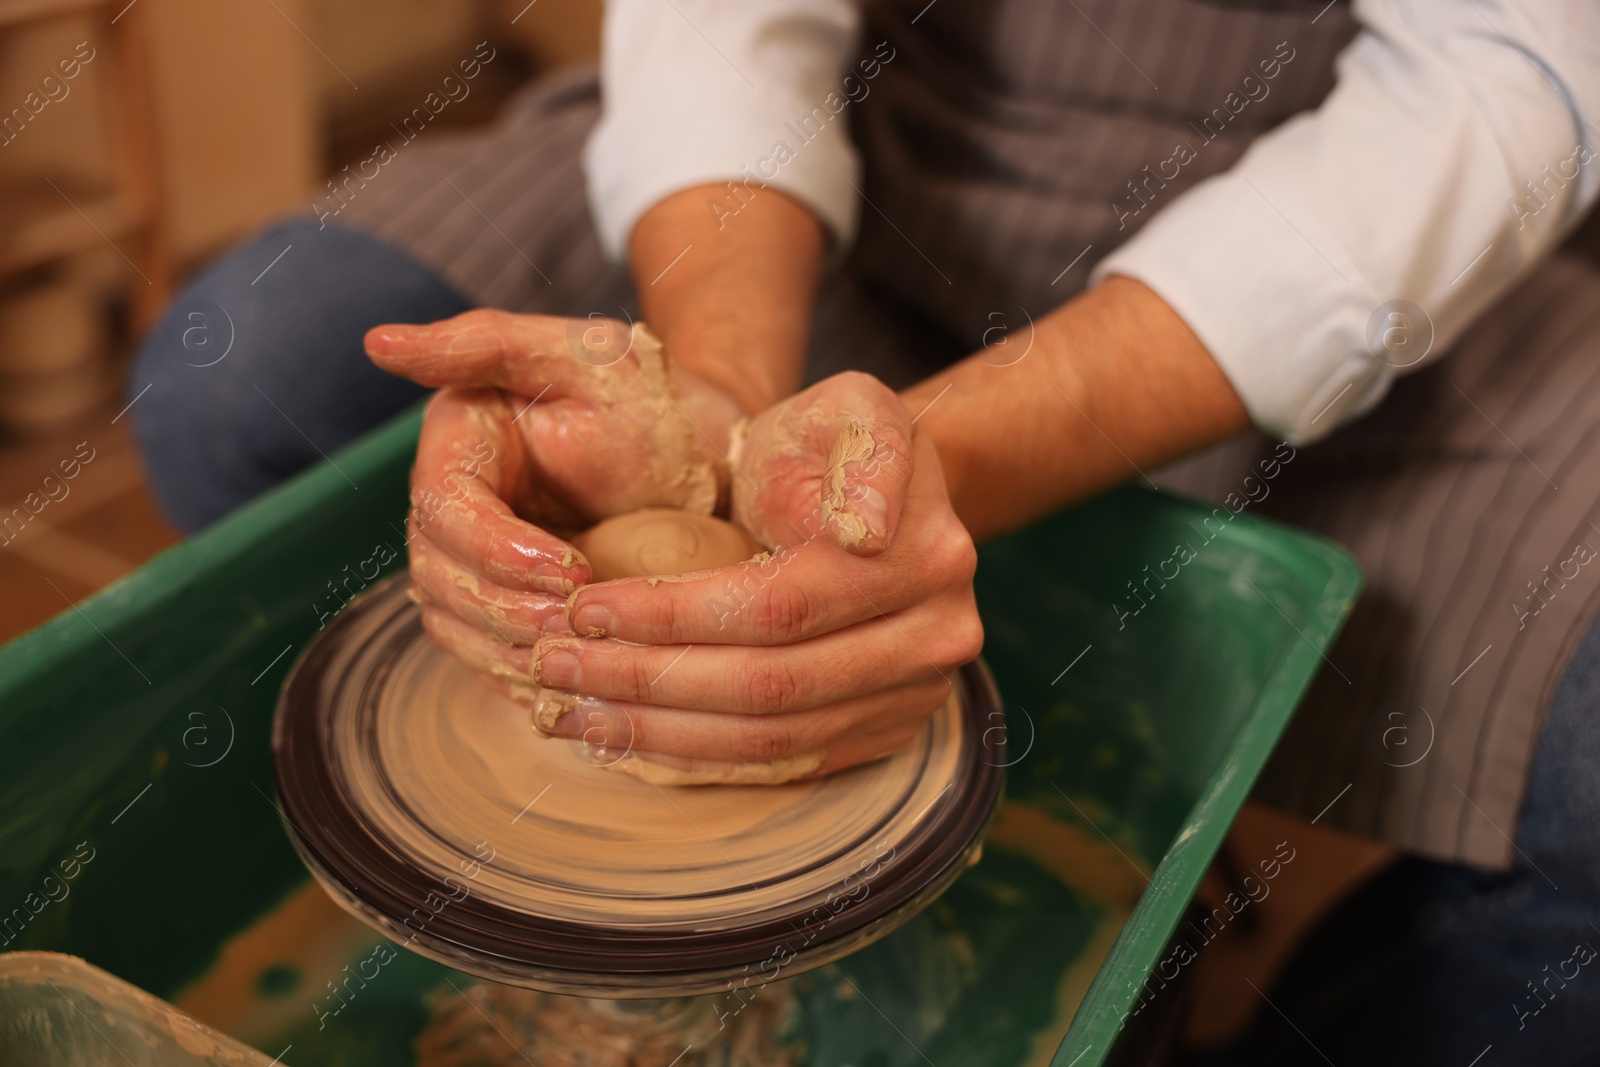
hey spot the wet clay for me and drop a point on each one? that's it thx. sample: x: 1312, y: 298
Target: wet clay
x: 749, y: 772
x: 662, y: 541
x: 427, y: 807
x: 680, y: 467
x: 498, y: 1026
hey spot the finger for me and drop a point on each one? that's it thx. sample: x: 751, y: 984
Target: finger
x: 865, y: 748
x: 795, y: 594
x: 514, y: 691
x: 881, y: 653
x: 523, y: 354
x: 468, y: 460
x: 798, y: 593
x: 622, y: 726
x: 869, y: 469
x: 514, y: 617
x: 481, y: 651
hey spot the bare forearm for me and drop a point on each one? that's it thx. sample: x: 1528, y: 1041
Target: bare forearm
x: 1115, y: 383
x: 731, y: 295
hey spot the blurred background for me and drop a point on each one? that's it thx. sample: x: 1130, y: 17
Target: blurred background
x: 136, y: 141
x: 184, y: 126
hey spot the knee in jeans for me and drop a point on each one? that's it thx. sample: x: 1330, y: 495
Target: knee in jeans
x: 186, y: 412
x: 257, y: 368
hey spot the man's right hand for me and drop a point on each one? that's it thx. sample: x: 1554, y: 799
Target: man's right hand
x: 542, y: 425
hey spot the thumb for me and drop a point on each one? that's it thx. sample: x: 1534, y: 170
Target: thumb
x: 864, y: 484
x: 833, y: 461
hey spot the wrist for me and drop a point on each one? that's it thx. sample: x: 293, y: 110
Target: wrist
x: 1109, y: 385
x: 731, y: 297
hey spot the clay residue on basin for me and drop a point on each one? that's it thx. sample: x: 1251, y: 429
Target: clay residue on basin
x: 499, y: 1026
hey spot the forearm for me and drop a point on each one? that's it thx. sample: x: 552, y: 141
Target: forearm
x: 731, y: 296
x: 1113, y: 385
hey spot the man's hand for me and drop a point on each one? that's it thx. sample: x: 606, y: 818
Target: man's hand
x: 834, y: 651
x: 542, y: 425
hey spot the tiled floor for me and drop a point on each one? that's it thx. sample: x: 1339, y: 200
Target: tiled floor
x: 103, y: 527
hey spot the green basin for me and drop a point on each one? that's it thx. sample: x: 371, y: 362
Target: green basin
x: 134, y: 730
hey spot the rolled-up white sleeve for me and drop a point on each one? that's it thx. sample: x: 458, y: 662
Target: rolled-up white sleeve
x: 699, y: 92
x: 1457, y: 149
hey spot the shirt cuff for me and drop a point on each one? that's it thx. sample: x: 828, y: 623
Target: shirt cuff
x: 675, y: 142
x: 1274, y: 299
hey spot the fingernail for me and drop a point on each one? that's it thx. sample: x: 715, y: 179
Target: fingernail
x: 557, y: 668
x: 601, y: 724
x: 393, y: 333
x: 869, y: 505
x: 601, y: 732
x: 593, y: 620
x: 550, y: 578
x: 549, y: 706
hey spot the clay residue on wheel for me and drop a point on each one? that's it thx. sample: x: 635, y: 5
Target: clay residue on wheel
x: 704, y: 772
x: 437, y: 764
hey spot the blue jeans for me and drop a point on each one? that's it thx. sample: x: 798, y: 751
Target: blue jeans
x: 257, y: 370
x: 1433, y: 963
x: 253, y: 376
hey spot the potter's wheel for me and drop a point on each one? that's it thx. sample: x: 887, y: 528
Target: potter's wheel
x: 429, y: 807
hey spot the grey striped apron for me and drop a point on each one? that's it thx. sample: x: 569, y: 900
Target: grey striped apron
x: 1008, y: 147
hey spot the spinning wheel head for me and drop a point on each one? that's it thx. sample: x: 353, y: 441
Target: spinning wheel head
x: 430, y: 808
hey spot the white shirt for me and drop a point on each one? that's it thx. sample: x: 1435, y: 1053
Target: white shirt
x: 1459, y: 146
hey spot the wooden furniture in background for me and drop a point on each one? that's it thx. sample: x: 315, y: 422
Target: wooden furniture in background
x: 44, y: 220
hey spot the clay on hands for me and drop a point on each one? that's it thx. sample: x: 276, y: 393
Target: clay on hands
x: 541, y: 425
x: 590, y: 418
x: 827, y: 470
